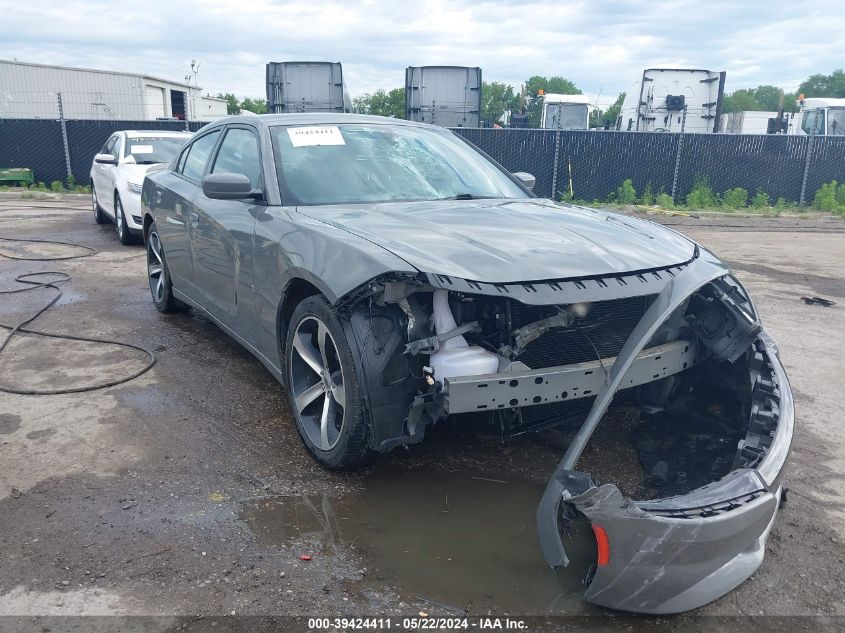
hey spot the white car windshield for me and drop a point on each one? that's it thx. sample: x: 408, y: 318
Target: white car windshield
x: 148, y: 150
x: 367, y: 163
x: 836, y: 121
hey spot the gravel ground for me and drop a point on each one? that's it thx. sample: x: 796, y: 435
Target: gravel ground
x: 157, y: 497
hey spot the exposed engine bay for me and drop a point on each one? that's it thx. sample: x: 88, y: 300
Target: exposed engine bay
x: 536, y: 367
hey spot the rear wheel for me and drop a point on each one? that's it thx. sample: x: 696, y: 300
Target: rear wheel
x: 123, y: 234
x: 99, y: 216
x: 323, y: 386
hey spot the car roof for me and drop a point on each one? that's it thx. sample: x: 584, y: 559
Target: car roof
x: 317, y: 118
x: 131, y: 133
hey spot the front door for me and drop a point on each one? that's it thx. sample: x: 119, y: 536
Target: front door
x: 176, y: 218
x: 223, y: 236
x: 103, y: 175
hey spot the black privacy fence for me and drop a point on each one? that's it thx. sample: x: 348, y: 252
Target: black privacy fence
x: 53, y: 149
x: 581, y: 165
x: 591, y: 165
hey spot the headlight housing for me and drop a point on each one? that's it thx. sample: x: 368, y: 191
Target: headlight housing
x: 133, y: 187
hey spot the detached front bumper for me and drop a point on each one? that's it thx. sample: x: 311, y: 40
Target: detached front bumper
x: 675, y: 554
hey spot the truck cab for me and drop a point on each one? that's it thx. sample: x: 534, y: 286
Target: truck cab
x: 565, y: 112
x: 819, y: 116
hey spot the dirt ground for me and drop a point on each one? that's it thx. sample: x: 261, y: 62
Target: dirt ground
x: 188, y: 491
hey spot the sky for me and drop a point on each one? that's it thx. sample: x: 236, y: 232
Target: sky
x: 601, y: 46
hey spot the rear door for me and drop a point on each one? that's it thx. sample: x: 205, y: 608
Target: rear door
x: 222, y: 242
x: 177, y: 218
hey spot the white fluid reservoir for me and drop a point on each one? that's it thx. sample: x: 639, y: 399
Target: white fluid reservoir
x: 456, y: 357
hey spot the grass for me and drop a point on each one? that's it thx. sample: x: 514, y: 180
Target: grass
x: 701, y: 197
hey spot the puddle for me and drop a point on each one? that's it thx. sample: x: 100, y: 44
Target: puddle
x: 453, y: 539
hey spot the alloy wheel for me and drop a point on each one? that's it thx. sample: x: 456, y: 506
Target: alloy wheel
x: 317, y: 387
x: 118, y: 217
x: 155, y: 267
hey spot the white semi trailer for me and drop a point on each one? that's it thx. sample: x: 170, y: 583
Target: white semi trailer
x: 673, y: 100
x: 746, y: 122
x: 306, y: 87
x: 449, y: 96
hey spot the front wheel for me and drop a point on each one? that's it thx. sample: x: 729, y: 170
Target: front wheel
x: 123, y: 234
x: 158, y: 274
x: 323, y: 386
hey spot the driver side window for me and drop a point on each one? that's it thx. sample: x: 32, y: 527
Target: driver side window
x: 196, y: 156
x: 109, y: 147
x: 238, y: 154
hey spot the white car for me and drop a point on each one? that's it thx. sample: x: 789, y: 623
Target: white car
x: 117, y: 174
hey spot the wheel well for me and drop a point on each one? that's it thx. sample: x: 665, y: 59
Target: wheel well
x: 148, y: 220
x: 296, y: 290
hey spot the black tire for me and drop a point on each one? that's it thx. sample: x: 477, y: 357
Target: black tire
x: 350, y: 447
x: 162, y: 294
x: 121, y: 228
x: 99, y: 216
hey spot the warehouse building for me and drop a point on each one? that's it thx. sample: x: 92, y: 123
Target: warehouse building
x: 37, y: 91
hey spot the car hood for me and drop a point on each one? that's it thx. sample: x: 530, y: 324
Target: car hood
x: 136, y: 173
x: 510, y: 240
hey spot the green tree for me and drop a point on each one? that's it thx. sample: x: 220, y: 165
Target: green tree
x: 549, y: 85
x: 232, y: 105
x: 832, y: 85
x: 258, y: 106
x: 766, y: 98
x: 609, y: 116
x: 381, y: 103
x: 496, y: 98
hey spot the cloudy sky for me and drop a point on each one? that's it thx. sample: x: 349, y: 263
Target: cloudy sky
x: 601, y: 46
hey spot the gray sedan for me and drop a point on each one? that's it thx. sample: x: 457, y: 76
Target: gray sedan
x: 390, y: 275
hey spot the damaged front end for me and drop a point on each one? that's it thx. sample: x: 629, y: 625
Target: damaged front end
x: 681, y: 345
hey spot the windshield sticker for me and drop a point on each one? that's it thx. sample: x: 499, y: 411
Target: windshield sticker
x: 315, y: 135
x: 141, y: 149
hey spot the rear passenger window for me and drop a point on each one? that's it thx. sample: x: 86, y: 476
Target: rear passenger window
x: 197, y: 157
x: 238, y: 154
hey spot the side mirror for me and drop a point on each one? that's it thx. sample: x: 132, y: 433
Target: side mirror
x: 105, y: 159
x: 227, y: 186
x: 526, y: 179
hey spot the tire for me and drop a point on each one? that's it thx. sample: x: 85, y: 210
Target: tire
x: 121, y: 228
x: 341, y: 441
x: 99, y: 216
x: 158, y: 275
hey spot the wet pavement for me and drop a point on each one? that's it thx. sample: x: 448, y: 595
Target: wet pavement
x: 188, y: 489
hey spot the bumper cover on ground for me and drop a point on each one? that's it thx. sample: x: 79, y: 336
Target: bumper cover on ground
x: 675, y: 554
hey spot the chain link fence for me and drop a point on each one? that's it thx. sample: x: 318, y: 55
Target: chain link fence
x: 54, y: 154
x: 579, y: 165
x: 592, y: 165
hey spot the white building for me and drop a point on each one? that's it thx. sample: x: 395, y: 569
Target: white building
x: 31, y: 91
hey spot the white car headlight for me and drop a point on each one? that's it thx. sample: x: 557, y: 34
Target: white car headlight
x: 133, y: 187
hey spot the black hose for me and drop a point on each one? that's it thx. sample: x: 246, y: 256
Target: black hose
x: 62, y: 278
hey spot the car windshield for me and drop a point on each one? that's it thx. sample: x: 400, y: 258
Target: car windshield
x: 365, y: 163
x: 147, y: 150
x: 836, y: 121
x: 566, y: 117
